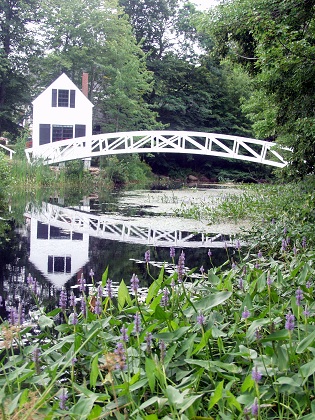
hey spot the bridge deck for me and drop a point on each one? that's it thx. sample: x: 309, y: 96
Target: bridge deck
x: 207, y: 144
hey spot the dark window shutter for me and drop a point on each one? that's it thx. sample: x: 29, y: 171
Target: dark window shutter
x: 79, y: 130
x: 72, y: 98
x: 50, y: 264
x: 42, y: 231
x: 44, y: 134
x: 54, y: 98
x: 68, y: 264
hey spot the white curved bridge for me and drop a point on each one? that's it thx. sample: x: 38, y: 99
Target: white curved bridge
x: 189, y: 142
x: 123, y: 230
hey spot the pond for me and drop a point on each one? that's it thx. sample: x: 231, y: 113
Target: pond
x: 58, y: 243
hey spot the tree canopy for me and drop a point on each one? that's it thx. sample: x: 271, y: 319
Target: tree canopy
x: 275, y: 42
x: 244, y: 67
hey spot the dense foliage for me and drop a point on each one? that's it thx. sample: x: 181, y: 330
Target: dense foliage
x: 244, y: 67
x: 232, y: 343
x: 274, y: 42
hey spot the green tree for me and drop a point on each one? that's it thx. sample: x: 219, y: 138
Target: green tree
x: 153, y: 22
x: 275, y: 42
x: 16, y: 48
x: 95, y: 36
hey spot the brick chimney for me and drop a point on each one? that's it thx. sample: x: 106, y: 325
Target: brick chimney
x: 85, y: 84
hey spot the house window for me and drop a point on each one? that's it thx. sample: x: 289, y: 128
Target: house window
x: 44, y: 134
x: 62, y: 132
x: 79, y: 130
x: 59, y: 264
x: 63, y: 98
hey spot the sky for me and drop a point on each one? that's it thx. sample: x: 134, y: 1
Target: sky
x: 205, y: 4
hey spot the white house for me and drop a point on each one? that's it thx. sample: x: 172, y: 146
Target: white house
x: 61, y: 112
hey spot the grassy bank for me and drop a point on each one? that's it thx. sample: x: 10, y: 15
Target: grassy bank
x: 236, y: 342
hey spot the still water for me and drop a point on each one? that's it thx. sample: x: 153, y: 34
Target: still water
x: 57, y: 243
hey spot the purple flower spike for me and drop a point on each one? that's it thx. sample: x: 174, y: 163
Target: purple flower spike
x: 100, y: 291
x: 181, y: 267
x: 98, y: 306
x: 147, y: 256
x: 137, y: 324
x: 148, y: 339
x: 83, y: 306
x: 62, y: 399
x: 134, y: 283
x: 299, y: 296
x: 238, y: 245
x: 306, y: 312
x: 200, y: 319
x: 202, y: 270
x: 256, y: 375
x: 74, y: 318
x: 165, y: 297
x: 245, y: 313
x: 172, y: 252
x: 259, y: 255
x: 255, y: 408
x: 124, y: 334
x: 209, y: 253
x: 108, y: 289
x: 162, y: 347
x: 63, y: 299
x: 289, y: 323
x: 241, y: 283
x: 72, y: 300
x: 304, y: 242
x: 120, y: 356
x: 82, y: 283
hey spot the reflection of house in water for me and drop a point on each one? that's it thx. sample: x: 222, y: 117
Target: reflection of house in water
x: 57, y: 252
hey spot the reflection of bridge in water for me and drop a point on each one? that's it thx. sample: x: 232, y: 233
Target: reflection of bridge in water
x: 138, y: 231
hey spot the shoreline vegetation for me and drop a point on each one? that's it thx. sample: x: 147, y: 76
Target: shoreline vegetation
x: 237, y: 342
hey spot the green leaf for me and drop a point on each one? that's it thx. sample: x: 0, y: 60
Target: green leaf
x: 123, y: 295
x: 153, y: 290
x: 215, y: 365
x: 95, y: 413
x: 174, y: 396
x: 209, y: 302
x: 218, y: 393
x: 248, y: 383
x: 278, y: 335
x: 82, y: 409
x: 305, y: 343
x: 150, y: 372
x: 285, y: 380
x: 261, y: 283
x: 94, y: 371
x: 307, y: 370
x: 188, y: 401
x: 44, y: 321
x: 174, y: 335
x: 160, y: 314
x: 14, y: 403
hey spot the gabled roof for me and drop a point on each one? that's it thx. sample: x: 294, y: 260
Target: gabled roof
x: 63, y: 82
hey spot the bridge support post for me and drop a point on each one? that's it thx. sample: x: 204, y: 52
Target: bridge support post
x: 87, y: 164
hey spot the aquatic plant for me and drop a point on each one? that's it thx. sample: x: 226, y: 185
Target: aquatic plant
x: 203, y: 348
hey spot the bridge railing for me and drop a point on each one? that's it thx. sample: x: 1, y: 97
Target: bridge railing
x: 207, y: 144
x: 7, y: 150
